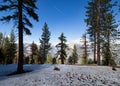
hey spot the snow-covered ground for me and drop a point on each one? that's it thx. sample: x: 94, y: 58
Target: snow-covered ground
x: 44, y: 75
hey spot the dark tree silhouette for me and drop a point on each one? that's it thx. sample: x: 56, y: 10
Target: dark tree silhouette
x: 62, y: 45
x: 20, y: 11
x: 44, y: 43
x: 34, y: 50
x: 101, y: 23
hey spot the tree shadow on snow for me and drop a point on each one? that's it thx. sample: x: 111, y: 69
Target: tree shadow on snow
x: 28, y: 68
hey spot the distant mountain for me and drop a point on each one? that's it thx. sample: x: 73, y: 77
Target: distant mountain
x: 79, y: 45
x: 27, y: 50
x: 80, y: 49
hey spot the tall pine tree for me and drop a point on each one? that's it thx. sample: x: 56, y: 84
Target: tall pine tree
x: 91, y: 16
x: 20, y: 11
x: 44, y: 43
x: 101, y: 23
x: 108, y: 28
x: 98, y: 31
x: 85, y: 55
x: 62, y: 47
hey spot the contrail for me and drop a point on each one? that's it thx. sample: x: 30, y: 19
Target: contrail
x: 58, y: 10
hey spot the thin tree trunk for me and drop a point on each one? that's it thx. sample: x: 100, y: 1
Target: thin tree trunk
x: 94, y: 47
x: 44, y: 55
x: 20, y: 31
x: 109, y: 58
x: 62, y: 59
x: 98, y: 33
x: 62, y: 56
x: 85, y: 50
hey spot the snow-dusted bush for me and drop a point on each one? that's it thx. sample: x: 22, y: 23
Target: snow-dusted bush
x: 56, y: 68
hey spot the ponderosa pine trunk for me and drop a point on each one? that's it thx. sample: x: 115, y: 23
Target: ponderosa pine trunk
x: 20, y: 31
x: 85, y: 50
x: 94, y: 47
x: 98, y: 32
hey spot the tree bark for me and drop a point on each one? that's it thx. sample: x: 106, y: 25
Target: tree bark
x: 85, y: 49
x: 94, y: 47
x: 62, y: 56
x: 98, y: 32
x: 109, y: 51
x: 20, y: 31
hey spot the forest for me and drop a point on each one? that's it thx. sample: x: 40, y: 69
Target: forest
x: 102, y: 31
x: 93, y: 61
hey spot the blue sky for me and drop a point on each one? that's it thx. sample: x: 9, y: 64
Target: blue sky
x: 65, y: 16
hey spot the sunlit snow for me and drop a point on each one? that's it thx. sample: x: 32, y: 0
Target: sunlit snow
x: 69, y: 75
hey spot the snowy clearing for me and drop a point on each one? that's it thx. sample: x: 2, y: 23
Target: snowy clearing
x: 69, y: 75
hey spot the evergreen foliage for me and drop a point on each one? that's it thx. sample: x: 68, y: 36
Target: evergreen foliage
x: 20, y: 11
x: 70, y: 60
x: 108, y: 29
x: 62, y: 47
x: 8, y: 48
x: 85, y: 55
x: 34, y: 53
x: 1, y: 48
x: 44, y: 43
x: 13, y: 46
x: 49, y: 59
x: 90, y: 61
x: 101, y: 23
x: 91, y: 16
x: 1, y: 40
x: 75, y: 55
x: 74, y: 58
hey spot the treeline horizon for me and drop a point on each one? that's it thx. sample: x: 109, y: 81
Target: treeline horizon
x: 37, y: 54
x: 101, y: 27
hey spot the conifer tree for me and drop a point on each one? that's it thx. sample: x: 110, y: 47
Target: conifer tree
x: 101, y: 23
x: 44, y: 43
x: 1, y: 56
x: 34, y: 52
x: 1, y: 48
x: 70, y: 60
x: 75, y: 55
x: 108, y: 28
x: 62, y: 47
x: 74, y: 58
x: 91, y: 21
x: 85, y: 52
x: 13, y: 46
x: 98, y: 31
x: 9, y: 48
x: 20, y: 11
x: 6, y: 49
x: 1, y: 39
